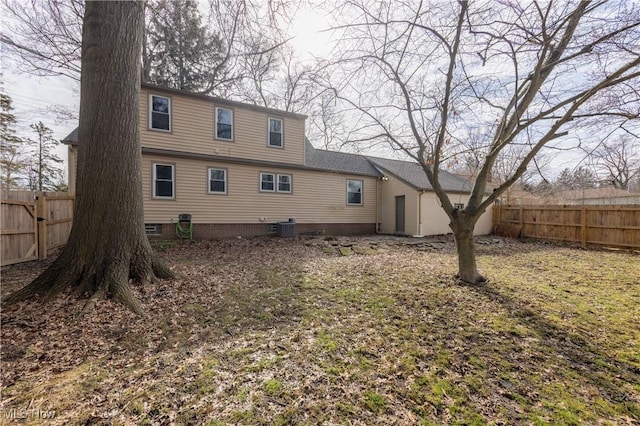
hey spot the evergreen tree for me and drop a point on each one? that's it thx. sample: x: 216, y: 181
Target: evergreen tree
x: 564, y: 182
x: 584, y: 178
x: 11, y: 161
x: 180, y: 51
x: 43, y: 171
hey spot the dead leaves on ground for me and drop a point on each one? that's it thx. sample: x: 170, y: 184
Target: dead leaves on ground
x: 274, y: 331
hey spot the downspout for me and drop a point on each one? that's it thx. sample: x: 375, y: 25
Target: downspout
x: 378, y: 183
x: 420, y: 234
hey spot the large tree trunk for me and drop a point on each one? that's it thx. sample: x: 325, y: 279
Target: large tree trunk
x: 462, y: 226
x: 108, y: 245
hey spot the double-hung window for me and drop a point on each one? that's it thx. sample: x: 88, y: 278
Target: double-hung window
x: 354, y: 192
x: 272, y: 182
x: 160, y: 113
x: 217, y: 181
x: 163, y: 181
x: 275, y: 133
x: 267, y: 182
x: 224, y: 124
x: 284, y: 183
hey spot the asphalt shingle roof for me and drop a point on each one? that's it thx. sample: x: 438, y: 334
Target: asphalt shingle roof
x: 340, y: 162
x: 413, y: 174
x: 71, y: 138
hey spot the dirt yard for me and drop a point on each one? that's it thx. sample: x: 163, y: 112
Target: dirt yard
x: 356, y: 331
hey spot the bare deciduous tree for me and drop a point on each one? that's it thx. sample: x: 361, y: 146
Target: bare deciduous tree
x: 419, y: 73
x: 620, y: 160
x: 45, y: 36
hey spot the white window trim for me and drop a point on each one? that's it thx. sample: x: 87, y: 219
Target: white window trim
x: 275, y: 182
x: 150, y: 108
x: 215, y: 129
x: 173, y: 181
x: 361, y: 203
x: 269, y: 144
x: 290, y: 184
x: 226, y: 183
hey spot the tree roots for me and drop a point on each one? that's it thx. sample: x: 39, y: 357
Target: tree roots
x: 111, y: 279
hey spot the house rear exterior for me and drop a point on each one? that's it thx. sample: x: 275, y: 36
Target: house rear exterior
x: 238, y: 169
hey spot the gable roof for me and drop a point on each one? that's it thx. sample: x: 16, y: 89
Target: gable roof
x: 339, y: 162
x: 413, y: 175
x: 71, y: 138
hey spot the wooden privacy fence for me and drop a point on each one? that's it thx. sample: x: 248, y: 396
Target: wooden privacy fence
x: 611, y: 226
x: 33, y: 223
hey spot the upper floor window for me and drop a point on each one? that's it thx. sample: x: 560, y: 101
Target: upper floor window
x: 163, y: 180
x: 224, y: 124
x: 275, y: 132
x: 354, y: 192
x: 217, y: 181
x: 160, y: 113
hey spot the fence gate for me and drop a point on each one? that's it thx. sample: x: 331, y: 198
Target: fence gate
x: 19, y: 234
x: 33, y: 223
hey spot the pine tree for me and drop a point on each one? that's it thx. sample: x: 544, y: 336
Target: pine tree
x: 43, y: 171
x: 180, y: 52
x: 11, y: 161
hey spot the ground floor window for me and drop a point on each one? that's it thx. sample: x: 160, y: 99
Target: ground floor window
x: 354, y: 192
x: 273, y: 182
x: 284, y: 183
x: 163, y: 180
x: 217, y: 181
x: 267, y: 182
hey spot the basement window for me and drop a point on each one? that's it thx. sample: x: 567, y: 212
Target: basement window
x: 153, y: 228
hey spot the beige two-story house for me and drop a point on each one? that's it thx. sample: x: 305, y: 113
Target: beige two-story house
x: 239, y: 169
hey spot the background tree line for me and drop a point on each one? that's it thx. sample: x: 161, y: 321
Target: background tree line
x: 28, y: 162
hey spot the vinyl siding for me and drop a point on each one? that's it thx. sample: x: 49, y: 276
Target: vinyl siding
x: 389, y: 190
x: 316, y: 197
x: 433, y: 220
x: 193, y: 126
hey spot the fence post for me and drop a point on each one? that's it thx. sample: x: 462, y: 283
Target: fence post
x: 521, y: 219
x: 583, y: 226
x: 41, y: 214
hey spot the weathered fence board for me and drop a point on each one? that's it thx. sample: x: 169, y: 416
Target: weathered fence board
x: 33, y: 223
x: 611, y: 226
x: 19, y: 231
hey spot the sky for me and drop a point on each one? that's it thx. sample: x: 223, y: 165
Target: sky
x: 34, y: 96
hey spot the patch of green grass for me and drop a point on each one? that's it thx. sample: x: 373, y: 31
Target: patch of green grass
x: 273, y: 387
x: 327, y: 342
x: 374, y: 402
